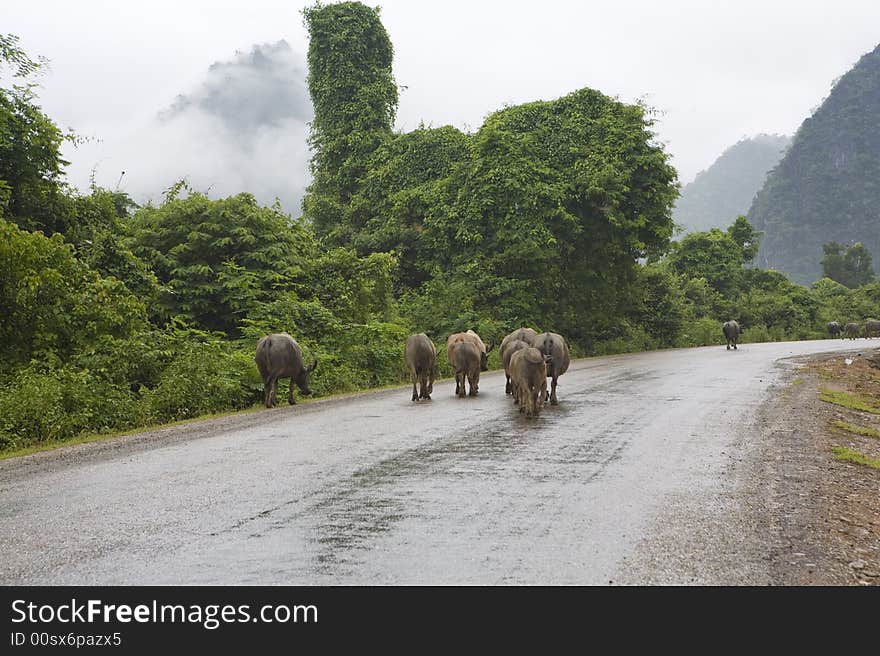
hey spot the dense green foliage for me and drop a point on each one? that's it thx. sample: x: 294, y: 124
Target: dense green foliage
x: 555, y: 214
x: 726, y: 188
x: 850, y: 267
x: 355, y: 100
x: 827, y: 187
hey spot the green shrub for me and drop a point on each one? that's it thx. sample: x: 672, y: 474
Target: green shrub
x: 39, y: 404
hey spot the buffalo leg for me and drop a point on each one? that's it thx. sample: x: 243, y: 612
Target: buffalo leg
x: 474, y: 380
x: 459, y: 385
x: 507, y: 387
x: 553, y: 399
x: 267, y: 392
x: 290, y: 399
x: 424, y: 391
x: 415, y: 395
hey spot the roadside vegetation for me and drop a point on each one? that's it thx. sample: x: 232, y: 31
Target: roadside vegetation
x: 553, y: 214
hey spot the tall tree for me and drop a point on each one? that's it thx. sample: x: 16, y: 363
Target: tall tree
x: 850, y: 267
x: 355, y: 99
x: 32, y: 188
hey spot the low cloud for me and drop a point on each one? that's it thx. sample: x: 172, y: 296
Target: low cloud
x: 243, y: 128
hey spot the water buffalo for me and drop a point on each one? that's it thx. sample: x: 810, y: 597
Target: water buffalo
x: 420, y: 355
x: 851, y: 330
x: 528, y: 373
x: 731, y: 331
x: 465, y: 361
x: 834, y: 329
x: 279, y: 356
x: 471, y: 336
x: 872, y: 328
x: 519, y: 335
x: 507, y: 350
x: 555, y: 346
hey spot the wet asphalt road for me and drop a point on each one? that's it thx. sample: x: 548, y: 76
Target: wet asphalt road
x: 375, y: 489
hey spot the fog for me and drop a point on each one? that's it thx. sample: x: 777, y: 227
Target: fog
x: 242, y: 127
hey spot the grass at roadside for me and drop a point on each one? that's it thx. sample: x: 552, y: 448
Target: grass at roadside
x: 850, y: 455
x: 847, y: 400
x: 856, y: 430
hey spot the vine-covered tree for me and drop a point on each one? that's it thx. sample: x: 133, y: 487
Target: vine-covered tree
x: 355, y: 100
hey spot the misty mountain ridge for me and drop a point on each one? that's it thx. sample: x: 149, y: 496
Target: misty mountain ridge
x: 827, y: 186
x: 726, y: 189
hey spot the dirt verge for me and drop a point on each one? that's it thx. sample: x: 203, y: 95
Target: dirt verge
x: 824, y: 512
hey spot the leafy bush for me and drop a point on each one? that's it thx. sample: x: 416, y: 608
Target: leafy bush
x: 42, y: 403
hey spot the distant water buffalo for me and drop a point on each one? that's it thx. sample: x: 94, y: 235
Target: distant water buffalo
x: 834, y: 329
x: 528, y: 374
x: 473, y: 337
x: 851, y: 330
x: 465, y: 361
x: 872, y: 328
x: 554, y: 346
x: 279, y: 356
x: 420, y: 355
x: 507, y: 350
x: 731, y: 331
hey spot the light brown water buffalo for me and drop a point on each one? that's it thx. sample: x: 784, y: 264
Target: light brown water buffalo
x: 851, y: 330
x: 465, y: 361
x: 872, y: 328
x: 522, y: 335
x: 731, y: 332
x: 528, y: 375
x: 279, y: 356
x: 471, y: 336
x: 555, y: 346
x: 420, y: 355
x: 507, y: 351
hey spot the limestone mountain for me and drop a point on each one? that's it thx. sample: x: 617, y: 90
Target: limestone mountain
x: 827, y: 186
x: 726, y: 189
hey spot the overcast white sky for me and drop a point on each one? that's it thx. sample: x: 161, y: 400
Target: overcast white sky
x: 717, y: 70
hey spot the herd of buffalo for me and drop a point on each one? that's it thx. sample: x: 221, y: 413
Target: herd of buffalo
x: 852, y: 330
x: 529, y: 359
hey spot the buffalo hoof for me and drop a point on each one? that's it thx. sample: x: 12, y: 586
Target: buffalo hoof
x: 728, y: 347
x: 554, y: 400
x: 427, y: 397
x: 415, y: 397
x: 734, y: 347
x: 291, y: 401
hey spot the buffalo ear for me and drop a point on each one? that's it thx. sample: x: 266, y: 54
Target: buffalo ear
x: 314, y: 365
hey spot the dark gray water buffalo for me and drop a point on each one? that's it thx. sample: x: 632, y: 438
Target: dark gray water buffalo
x: 555, y: 346
x: 420, y: 355
x: 731, y: 331
x: 834, y: 329
x: 872, y: 328
x: 471, y: 336
x: 465, y: 361
x: 528, y: 374
x: 279, y: 356
x: 851, y: 330
x: 507, y: 350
